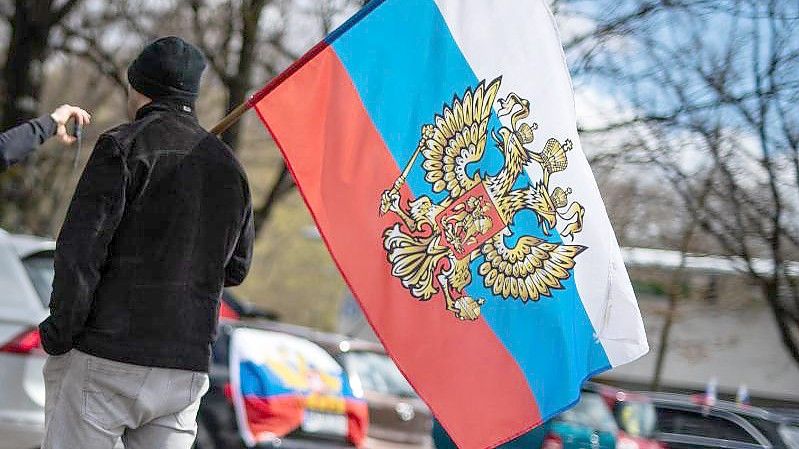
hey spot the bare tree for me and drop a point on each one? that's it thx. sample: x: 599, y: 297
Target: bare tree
x: 231, y: 35
x: 688, y: 230
x: 34, y: 197
x: 247, y: 42
x: 244, y: 53
x: 711, y: 90
x: 31, y: 23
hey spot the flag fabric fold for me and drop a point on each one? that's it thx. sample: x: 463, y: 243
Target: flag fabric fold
x: 435, y: 144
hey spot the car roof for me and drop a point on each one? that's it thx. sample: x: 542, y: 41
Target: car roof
x: 333, y: 343
x: 617, y: 394
x: 720, y: 405
x: 27, y: 245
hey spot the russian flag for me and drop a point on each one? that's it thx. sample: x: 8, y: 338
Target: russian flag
x: 280, y: 383
x: 435, y: 144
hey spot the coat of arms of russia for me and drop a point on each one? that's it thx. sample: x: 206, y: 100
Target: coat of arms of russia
x: 432, y: 246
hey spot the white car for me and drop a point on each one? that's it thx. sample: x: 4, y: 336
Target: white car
x: 26, y: 276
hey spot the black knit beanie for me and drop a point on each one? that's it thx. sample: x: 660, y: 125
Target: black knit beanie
x: 168, y: 67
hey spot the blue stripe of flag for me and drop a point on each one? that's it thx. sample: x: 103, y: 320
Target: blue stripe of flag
x: 406, y: 66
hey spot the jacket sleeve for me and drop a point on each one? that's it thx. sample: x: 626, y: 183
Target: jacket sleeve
x: 20, y: 141
x: 239, y: 263
x: 93, y: 216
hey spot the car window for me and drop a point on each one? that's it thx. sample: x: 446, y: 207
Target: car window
x: 40, y: 270
x: 591, y: 412
x: 728, y: 430
x: 688, y: 422
x: 769, y: 429
x: 636, y: 418
x: 377, y: 373
x: 790, y: 435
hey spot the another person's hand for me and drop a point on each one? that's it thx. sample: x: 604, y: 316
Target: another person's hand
x: 62, y: 114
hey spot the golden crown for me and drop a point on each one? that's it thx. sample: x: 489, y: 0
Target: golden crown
x: 560, y: 197
x: 525, y: 133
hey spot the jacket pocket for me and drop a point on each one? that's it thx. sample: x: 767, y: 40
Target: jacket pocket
x: 110, y: 392
x: 171, y: 314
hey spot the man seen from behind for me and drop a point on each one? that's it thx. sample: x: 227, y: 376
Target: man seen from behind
x: 160, y: 222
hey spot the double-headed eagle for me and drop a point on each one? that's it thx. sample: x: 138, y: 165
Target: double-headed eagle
x: 432, y: 246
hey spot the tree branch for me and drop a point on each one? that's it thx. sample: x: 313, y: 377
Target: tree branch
x: 58, y: 15
x: 102, y: 60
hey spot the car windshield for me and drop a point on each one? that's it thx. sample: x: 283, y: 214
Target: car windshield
x: 377, y: 373
x: 591, y: 412
x: 636, y: 418
x: 40, y: 270
x: 790, y: 434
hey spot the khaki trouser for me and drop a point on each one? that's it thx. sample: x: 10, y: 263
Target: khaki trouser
x: 92, y: 402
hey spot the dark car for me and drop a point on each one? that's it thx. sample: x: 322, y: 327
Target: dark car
x: 587, y: 425
x: 398, y: 419
x: 689, y: 422
x: 634, y: 414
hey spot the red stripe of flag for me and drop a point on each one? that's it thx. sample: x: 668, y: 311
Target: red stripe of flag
x: 276, y: 415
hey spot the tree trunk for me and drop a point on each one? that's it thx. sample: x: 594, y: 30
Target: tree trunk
x: 27, y: 50
x: 675, y: 292
x: 282, y: 185
x: 664, y: 338
x: 784, y: 321
x: 239, y: 84
x: 237, y: 94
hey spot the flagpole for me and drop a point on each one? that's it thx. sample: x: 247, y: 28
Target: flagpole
x: 232, y: 117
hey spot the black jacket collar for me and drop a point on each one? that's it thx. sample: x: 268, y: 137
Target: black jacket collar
x: 178, y: 105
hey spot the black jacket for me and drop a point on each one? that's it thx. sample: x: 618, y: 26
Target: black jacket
x: 161, y: 220
x: 18, y: 142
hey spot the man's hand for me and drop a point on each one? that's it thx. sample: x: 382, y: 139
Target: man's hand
x: 62, y: 114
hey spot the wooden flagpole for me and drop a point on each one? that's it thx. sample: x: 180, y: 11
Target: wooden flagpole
x: 234, y: 116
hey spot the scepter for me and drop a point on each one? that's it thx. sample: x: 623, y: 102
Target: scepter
x: 427, y: 131
x: 403, y: 177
